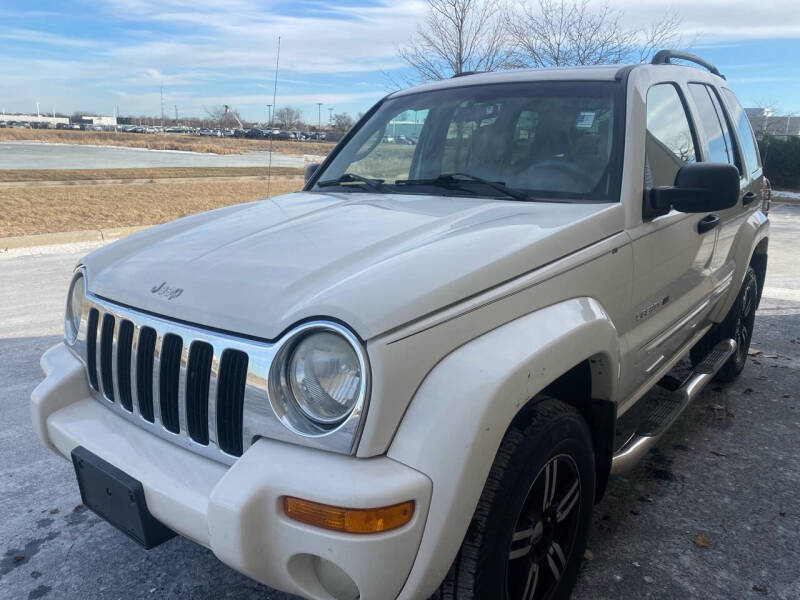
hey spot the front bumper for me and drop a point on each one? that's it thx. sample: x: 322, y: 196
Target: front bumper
x: 237, y: 511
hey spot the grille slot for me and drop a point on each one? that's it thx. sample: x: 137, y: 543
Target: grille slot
x: 106, y: 343
x: 91, y: 347
x: 198, y: 377
x: 168, y: 377
x: 202, y: 390
x: 230, y: 400
x: 124, y: 342
x: 145, y: 353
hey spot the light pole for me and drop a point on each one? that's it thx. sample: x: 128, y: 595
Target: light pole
x: 330, y: 116
x: 319, y: 116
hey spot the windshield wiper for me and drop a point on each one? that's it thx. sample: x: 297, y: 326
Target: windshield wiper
x: 454, y: 179
x: 373, y: 184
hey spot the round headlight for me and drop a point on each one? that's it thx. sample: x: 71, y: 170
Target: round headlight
x: 324, y: 377
x: 72, y: 322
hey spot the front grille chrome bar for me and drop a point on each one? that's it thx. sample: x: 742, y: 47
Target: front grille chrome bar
x: 199, y: 388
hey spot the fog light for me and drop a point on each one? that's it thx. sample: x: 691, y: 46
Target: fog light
x: 349, y: 520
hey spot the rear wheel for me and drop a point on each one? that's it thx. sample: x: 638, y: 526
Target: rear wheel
x: 738, y: 325
x: 528, y: 535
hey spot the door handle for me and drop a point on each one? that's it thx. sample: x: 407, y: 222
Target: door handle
x: 707, y: 223
x: 748, y: 198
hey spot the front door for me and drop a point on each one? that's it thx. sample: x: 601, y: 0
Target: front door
x: 672, y: 252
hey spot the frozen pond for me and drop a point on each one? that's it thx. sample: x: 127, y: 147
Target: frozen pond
x: 34, y: 155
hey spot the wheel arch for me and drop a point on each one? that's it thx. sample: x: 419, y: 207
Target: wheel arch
x: 759, y: 263
x: 585, y: 388
x: 461, y: 412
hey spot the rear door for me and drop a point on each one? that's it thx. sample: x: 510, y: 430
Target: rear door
x: 752, y: 181
x: 718, y: 147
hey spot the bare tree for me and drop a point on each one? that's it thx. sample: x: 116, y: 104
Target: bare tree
x: 223, y: 115
x: 558, y: 33
x: 458, y: 36
x: 289, y: 117
x: 342, y: 122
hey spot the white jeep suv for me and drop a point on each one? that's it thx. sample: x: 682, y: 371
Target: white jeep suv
x: 416, y: 376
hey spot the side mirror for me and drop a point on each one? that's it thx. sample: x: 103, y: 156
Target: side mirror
x: 699, y: 187
x: 310, y: 170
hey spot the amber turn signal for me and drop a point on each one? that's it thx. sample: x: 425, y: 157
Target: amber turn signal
x: 349, y: 520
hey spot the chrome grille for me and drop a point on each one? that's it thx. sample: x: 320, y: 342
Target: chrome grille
x: 202, y: 389
x: 184, y: 383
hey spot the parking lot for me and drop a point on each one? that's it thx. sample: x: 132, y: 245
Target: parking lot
x: 712, y: 513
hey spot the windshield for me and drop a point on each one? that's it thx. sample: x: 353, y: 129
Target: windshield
x: 527, y: 141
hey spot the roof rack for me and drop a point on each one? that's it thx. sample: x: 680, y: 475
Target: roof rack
x: 663, y: 57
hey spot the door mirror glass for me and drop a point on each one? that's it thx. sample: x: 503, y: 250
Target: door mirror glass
x: 699, y: 187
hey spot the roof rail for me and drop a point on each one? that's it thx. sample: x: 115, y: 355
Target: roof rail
x: 662, y: 57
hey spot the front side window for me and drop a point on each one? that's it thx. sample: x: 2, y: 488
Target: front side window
x: 554, y: 140
x: 747, y: 141
x: 714, y: 126
x: 669, y: 143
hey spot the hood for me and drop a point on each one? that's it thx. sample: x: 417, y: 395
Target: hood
x: 373, y: 261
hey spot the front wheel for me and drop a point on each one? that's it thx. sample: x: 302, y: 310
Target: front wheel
x: 528, y: 534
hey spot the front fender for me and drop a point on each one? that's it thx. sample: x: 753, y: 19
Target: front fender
x: 459, y: 415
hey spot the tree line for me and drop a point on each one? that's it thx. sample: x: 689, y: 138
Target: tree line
x: 461, y: 36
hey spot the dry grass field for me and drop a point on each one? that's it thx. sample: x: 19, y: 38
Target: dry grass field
x: 77, y: 175
x: 163, y: 141
x: 168, y: 194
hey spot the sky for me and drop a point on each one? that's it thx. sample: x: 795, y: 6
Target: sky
x: 95, y: 55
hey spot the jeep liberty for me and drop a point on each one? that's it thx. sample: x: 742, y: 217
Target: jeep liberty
x: 415, y: 377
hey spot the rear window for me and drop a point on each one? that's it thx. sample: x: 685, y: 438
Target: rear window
x: 747, y: 141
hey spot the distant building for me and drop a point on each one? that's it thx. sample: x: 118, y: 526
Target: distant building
x: 98, y: 120
x: 40, y: 120
x: 765, y: 123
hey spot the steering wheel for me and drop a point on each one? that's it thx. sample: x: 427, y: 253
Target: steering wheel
x: 568, y: 169
x: 371, y: 147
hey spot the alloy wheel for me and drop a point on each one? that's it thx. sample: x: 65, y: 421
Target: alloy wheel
x: 545, y: 532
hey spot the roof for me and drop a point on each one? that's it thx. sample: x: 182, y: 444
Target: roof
x: 662, y: 59
x: 583, y: 73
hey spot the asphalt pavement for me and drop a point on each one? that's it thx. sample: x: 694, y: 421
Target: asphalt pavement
x: 713, y: 511
x: 38, y: 155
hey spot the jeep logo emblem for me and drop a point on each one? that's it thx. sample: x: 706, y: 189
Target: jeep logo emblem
x: 170, y: 293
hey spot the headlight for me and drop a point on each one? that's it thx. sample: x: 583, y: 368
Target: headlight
x: 324, y: 377
x: 72, y: 319
x: 318, y: 382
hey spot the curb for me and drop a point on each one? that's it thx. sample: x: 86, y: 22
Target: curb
x: 69, y: 237
x: 777, y: 197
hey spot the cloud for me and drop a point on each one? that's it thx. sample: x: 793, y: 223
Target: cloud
x: 206, y: 50
x: 33, y: 36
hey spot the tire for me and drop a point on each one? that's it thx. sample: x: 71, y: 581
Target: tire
x: 737, y: 325
x: 509, y: 533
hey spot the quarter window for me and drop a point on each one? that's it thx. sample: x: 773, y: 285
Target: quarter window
x: 669, y: 143
x: 718, y: 138
x: 747, y: 141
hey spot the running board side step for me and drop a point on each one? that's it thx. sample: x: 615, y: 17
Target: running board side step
x: 666, y: 413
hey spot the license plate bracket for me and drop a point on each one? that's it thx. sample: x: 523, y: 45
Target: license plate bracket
x: 118, y: 498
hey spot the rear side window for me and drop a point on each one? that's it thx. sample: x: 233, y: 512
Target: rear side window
x: 718, y: 137
x: 747, y: 141
x: 669, y: 143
